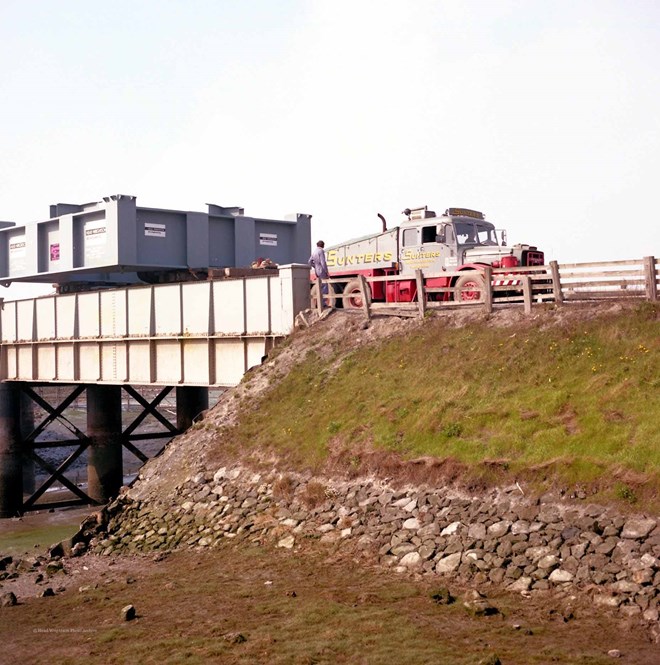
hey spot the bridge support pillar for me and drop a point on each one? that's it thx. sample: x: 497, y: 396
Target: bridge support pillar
x: 104, y: 428
x: 27, y: 427
x: 190, y: 402
x: 11, y: 468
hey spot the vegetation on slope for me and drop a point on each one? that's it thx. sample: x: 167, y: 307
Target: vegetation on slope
x: 570, y: 401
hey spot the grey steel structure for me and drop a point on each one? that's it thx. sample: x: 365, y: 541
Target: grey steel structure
x: 115, y: 242
x: 106, y: 333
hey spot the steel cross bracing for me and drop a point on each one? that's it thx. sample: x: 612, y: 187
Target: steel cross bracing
x: 56, y: 413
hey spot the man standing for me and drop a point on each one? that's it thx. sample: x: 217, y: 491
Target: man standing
x: 317, y: 261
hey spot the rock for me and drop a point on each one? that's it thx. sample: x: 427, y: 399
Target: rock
x: 412, y: 523
x: 490, y: 659
x: 570, y: 532
x: 520, y: 527
x: 548, y: 562
x: 448, y: 564
x: 651, y: 615
x: 234, y: 638
x: 451, y: 529
x: 614, y: 653
x: 477, y: 531
x: 521, y: 584
x: 638, y: 528
x: 478, y: 605
x: 128, y: 613
x: 442, y: 596
x: 287, y: 542
x: 54, y: 567
x: 403, y: 549
x: 496, y: 576
x: 47, y: 593
x: 604, y: 600
x: 625, y: 586
x: 559, y: 576
x: 8, y: 599
x: 411, y: 560
x: 499, y: 529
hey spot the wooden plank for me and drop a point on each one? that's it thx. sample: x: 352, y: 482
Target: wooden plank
x: 620, y: 284
x: 603, y: 273
x: 603, y: 295
x: 628, y: 262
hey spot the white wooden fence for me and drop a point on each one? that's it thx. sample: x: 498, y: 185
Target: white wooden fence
x: 558, y: 283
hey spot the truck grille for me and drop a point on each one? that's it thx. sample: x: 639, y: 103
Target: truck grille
x: 532, y: 258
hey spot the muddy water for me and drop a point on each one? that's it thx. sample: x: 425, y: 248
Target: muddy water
x: 34, y: 532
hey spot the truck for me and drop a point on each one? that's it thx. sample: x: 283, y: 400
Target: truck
x: 460, y: 240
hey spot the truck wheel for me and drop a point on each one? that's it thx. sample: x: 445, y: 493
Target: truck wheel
x: 329, y: 299
x: 469, y: 288
x: 353, y: 295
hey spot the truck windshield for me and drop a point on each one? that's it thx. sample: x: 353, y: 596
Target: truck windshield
x: 470, y: 233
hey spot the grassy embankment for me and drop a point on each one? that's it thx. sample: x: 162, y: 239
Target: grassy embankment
x: 575, y: 404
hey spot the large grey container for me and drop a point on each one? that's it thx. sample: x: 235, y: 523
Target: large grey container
x: 114, y: 239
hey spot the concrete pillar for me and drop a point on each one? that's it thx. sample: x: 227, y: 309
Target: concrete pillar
x: 190, y: 402
x: 11, y: 473
x: 104, y: 462
x: 27, y: 427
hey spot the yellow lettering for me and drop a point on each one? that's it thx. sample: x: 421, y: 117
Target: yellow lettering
x: 378, y: 257
x: 368, y: 258
x: 387, y: 256
x: 360, y: 258
x: 340, y: 260
x: 331, y: 258
x: 350, y: 260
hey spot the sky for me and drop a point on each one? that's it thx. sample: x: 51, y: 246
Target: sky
x: 543, y: 115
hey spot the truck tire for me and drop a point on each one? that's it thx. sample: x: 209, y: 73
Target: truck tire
x: 469, y: 288
x: 353, y: 295
x: 329, y: 300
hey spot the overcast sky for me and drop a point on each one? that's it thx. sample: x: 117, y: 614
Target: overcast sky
x: 543, y: 114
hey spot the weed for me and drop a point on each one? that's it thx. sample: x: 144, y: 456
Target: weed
x: 284, y: 487
x: 314, y: 494
x: 452, y: 430
x: 626, y: 493
x: 333, y: 427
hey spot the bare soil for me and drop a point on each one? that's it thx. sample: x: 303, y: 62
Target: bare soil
x: 249, y: 604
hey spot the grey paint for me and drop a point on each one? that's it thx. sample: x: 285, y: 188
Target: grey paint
x: 113, y: 239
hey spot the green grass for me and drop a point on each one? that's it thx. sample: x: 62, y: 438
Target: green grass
x: 583, y: 394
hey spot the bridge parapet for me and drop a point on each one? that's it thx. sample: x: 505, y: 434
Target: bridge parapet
x: 206, y: 333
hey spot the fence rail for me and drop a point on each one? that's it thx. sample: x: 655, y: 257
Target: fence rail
x: 526, y: 286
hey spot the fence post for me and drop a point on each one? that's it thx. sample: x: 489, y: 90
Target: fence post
x: 488, y: 289
x: 364, y: 288
x: 556, y: 283
x: 527, y: 293
x: 421, y: 294
x: 651, y: 278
